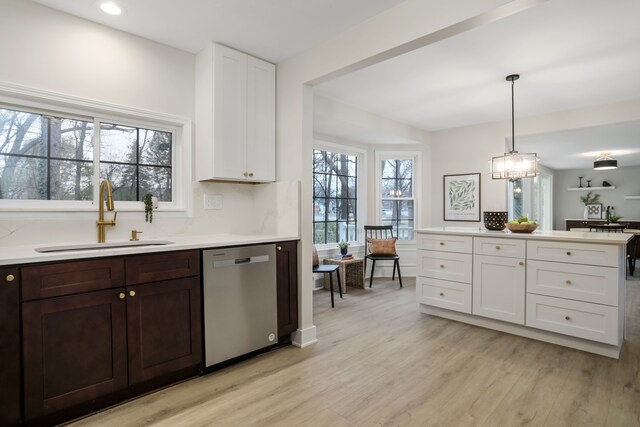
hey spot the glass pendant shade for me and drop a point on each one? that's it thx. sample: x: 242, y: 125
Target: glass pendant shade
x: 513, y: 165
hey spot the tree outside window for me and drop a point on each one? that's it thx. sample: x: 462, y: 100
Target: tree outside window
x: 334, y: 197
x: 43, y: 157
x: 397, y: 196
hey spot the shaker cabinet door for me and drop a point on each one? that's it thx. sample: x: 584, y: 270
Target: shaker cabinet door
x: 76, y: 350
x: 499, y: 288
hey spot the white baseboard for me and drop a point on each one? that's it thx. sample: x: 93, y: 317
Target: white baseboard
x: 304, y: 337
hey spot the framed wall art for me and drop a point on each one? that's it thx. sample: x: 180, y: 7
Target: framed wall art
x: 462, y: 197
x: 593, y: 210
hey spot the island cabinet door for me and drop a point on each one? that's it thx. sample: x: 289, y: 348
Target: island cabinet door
x: 164, y: 328
x: 75, y: 350
x: 499, y: 288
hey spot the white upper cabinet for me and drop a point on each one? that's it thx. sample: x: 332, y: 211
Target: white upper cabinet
x: 235, y: 116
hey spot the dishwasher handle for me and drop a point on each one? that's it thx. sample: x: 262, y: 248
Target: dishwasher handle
x: 240, y: 261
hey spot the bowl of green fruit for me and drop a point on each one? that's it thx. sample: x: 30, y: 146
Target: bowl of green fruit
x: 522, y: 225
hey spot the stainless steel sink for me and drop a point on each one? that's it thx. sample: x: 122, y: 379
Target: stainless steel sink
x: 91, y: 246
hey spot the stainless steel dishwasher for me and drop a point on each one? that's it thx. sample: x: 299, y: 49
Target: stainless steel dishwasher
x: 240, y: 305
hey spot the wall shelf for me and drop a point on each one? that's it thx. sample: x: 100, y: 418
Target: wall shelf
x: 591, y: 188
x: 632, y: 197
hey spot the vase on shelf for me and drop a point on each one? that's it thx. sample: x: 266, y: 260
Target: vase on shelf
x: 585, y: 214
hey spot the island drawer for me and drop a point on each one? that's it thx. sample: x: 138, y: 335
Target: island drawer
x: 446, y: 243
x: 575, y: 253
x: 67, y: 278
x: 444, y: 294
x: 512, y: 248
x: 445, y: 265
x: 580, y: 282
x: 162, y: 266
x: 594, y: 322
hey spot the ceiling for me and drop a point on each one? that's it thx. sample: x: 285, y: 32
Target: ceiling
x: 578, y: 148
x: 273, y: 30
x: 570, y: 54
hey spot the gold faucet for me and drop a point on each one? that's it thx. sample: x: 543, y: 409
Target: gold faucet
x: 101, y: 222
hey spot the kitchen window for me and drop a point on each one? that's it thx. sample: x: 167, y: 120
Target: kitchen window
x: 55, y: 151
x: 43, y: 157
x: 335, y: 196
x: 396, y: 192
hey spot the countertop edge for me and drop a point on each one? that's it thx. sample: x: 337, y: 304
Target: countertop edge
x: 17, y: 255
x: 569, y: 236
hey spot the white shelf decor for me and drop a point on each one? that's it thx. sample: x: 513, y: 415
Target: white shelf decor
x: 632, y: 197
x: 590, y: 188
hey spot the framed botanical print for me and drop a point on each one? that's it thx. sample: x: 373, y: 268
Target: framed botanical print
x: 462, y: 197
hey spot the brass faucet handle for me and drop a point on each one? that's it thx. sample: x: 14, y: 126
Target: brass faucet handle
x: 134, y: 235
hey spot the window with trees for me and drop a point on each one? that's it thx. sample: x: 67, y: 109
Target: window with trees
x: 397, y: 196
x: 334, y: 197
x: 44, y: 157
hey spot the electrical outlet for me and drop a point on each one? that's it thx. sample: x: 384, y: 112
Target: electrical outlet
x: 212, y: 201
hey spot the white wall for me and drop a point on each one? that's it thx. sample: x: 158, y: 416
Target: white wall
x: 467, y: 150
x: 45, y: 49
x: 626, y: 181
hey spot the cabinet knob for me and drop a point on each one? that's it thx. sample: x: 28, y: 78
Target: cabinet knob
x: 441, y: 265
x: 250, y: 173
x: 567, y: 318
x: 121, y: 295
x: 568, y: 252
x: 10, y: 278
x: 246, y: 174
x: 497, y: 247
x: 568, y: 282
x: 521, y: 263
x: 441, y: 294
x: 279, y: 248
x: 132, y: 293
x: 441, y: 243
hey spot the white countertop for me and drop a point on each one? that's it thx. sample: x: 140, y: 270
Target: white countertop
x: 11, y: 255
x: 567, y: 236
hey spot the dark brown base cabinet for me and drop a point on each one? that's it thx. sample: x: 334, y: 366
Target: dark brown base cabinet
x: 99, y: 342
x: 287, y: 279
x: 572, y: 223
x: 10, y: 378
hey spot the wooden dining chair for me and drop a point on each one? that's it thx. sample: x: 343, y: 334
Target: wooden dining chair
x: 324, y: 269
x: 380, y: 245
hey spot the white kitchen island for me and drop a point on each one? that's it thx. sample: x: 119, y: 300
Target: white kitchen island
x: 562, y: 287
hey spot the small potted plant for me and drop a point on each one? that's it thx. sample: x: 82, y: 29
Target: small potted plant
x: 343, y: 247
x: 147, y: 199
x: 588, y: 199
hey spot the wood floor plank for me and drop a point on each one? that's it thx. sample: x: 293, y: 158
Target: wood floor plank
x: 379, y: 362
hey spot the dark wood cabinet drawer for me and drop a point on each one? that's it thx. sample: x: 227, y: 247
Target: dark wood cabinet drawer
x: 66, y: 278
x: 10, y: 380
x: 162, y: 266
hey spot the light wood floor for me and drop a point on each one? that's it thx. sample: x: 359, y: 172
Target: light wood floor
x: 380, y: 362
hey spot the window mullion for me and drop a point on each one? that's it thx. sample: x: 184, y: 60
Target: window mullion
x: 95, y: 141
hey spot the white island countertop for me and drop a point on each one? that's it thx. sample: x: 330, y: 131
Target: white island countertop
x: 25, y: 254
x: 566, y: 236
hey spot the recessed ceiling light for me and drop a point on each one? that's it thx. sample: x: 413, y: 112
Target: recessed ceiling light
x: 110, y: 8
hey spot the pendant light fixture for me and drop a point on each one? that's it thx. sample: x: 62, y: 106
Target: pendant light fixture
x: 513, y: 165
x: 604, y: 162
